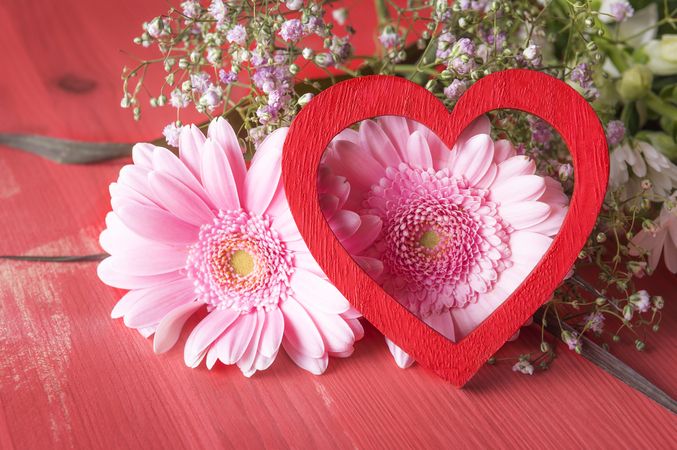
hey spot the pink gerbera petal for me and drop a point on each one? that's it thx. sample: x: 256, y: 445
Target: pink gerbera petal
x: 169, y: 328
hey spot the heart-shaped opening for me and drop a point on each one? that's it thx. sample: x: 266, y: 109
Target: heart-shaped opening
x: 449, y: 234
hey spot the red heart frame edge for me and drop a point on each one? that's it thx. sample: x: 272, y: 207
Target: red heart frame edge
x: 352, y: 101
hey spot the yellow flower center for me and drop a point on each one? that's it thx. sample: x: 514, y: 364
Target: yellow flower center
x: 242, y: 263
x: 429, y: 239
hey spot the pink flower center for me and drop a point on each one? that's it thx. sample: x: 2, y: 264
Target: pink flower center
x: 239, y: 263
x: 443, y: 242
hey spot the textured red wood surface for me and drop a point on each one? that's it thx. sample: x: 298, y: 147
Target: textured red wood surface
x: 71, y: 377
x: 353, y: 101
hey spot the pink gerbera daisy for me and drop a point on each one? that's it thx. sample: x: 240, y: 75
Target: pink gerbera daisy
x: 461, y: 229
x: 201, y: 231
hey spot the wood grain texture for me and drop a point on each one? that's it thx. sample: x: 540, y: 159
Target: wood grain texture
x: 353, y: 101
x: 70, y: 377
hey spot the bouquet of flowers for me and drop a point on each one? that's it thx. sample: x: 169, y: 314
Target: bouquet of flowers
x: 211, y: 229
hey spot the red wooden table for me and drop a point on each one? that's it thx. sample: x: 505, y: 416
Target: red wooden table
x: 72, y: 377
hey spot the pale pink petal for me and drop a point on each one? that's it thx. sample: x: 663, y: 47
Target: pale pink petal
x: 262, y: 362
x: 402, y: 359
x: 671, y: 225
x: 136, y: 178
x: 315, y: 292
x: 118, y: 238
x: 190, y: 147
x: 156, y: 224
x: 218, y: 178
x: 121, y: 191
x: 286, y: 227
x: 210, y: 361
x: 524, y: 214
x: 178, y: 199
x: 397, y: 130
x: 329, y: 205
x: 488, y: 177
x: 158, y: 301
x: 439, y: 152
x: 167, y: 162
x: 149, y: 260
x: 232, y: 345
x: 207, y: 332
x: 470, y: 317
x: 348, y: 135
x: 278, y: 204
x: 142, y: 155
x: 518, y: 189
x: 670, y: 251
x: 355, y: 326
x: 316, y: 366
x: 554, y: 194
x: 360, y: 168
x: 107, y: 273
x: 271, y: 335
x: 503, y: 150
x: 552, y: 224
x: 514, y: 337
x: 126, y: 303
x: 418, y: 152
x: 344, y: 224
x: 336, y: 334
x: 370, y: 227
x: 375, y: 140
x: 648, y: 242
x: 528, y: 248
x: 474, y: 158
x: 479, y: 126
x: 169, y: 329
x: 442, y: 323
x: 300, y: 330
x: 305, y: 260
x: 515, y: 166
x: 223, y: 134
x: 246, y: 363
x: 264, y: 174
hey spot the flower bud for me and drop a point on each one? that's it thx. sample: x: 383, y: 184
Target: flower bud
x: 658, y: 302
x: 662, y: 55
x: 635, y: 83
x: 304, y: 99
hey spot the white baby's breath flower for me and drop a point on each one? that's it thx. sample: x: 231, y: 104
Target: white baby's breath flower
x: 340, y: 15
x: 305, y: 98
x: 523, y: 366
x: 294, y: 5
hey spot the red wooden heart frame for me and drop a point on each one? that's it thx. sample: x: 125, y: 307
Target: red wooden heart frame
x: 352, y: 101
